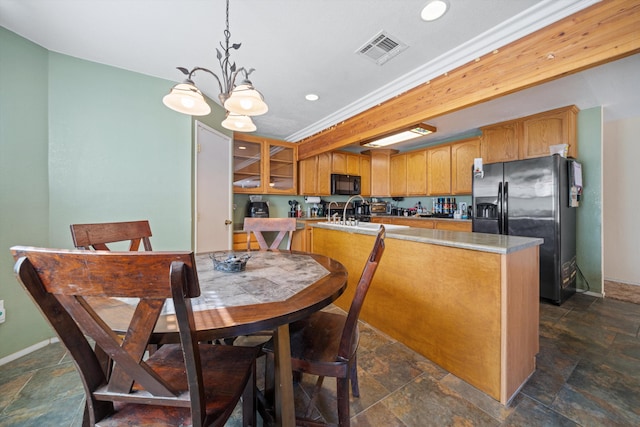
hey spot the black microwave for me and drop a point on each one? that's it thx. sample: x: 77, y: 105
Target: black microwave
x: 346, y: 185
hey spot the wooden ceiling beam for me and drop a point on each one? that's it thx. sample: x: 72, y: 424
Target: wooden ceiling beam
x: 602, y: 33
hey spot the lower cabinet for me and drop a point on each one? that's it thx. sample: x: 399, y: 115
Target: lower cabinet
x: 240, y: 242
x: 438, y: 224
x: 303, y: 237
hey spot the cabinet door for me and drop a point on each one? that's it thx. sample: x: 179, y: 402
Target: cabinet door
x: 339, y: 162
x: 323, y: 174
x: 307, y: 174
x: 365, y: 174
x: 398, y: 175
x: 500, y: 143
x: 380, y: 174
x: 282, y: 171
x: 247, y: 167
x: 462, y: 155
x: 439, y: 170
x: 549, y: 128
x: 417, y: 173
x: 353, y: 165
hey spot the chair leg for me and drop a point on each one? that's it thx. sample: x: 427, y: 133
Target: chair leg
x: 353, y: 373
x: 343, y: 402
x: 249, y: 401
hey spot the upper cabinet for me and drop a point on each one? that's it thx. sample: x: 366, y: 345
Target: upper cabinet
x: 416, y: 173
x: 263, y: 165
x: 501, y: 142
x: 345, y: 163
x: 315, y: 175
x: 530, y: 136
x: 307, y: 170
x: 543, y: 130
x: 398, y: 175
x: 462, y: 155
x: 247, y: 166
x: 380, y: 171
x: 365, y: 174
x: 439, y: 170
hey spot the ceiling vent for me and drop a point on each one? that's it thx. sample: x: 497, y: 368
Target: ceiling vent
x: 382, y: 48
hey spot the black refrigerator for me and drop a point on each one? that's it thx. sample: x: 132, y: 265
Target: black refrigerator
x: 531, y: 198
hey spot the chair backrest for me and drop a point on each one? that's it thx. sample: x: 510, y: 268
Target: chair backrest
x: 97, y: 236
x: 361, y: 292
x: 257, y: 226
x: 60, y: 283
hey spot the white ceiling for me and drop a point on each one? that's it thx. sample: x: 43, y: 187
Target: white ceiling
x: 299, y: 47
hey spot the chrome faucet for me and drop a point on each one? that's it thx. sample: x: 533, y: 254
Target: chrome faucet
x: 329, y: 211
x: 344, y: 212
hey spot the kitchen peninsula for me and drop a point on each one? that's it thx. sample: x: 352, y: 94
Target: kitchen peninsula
x: 467, y: 301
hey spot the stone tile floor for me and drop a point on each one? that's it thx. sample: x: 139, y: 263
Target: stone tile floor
x: 588, y: 374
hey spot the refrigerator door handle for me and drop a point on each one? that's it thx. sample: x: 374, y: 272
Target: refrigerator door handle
x: 499, y: 213
x: 505, y: 221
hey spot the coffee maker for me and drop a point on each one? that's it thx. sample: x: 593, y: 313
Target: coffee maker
x: 257, y: 209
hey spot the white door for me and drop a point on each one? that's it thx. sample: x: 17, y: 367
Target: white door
x: 214, y: 195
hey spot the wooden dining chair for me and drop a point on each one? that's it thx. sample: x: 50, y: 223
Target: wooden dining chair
x: 98, y: 236
x: 180, y: 384
x: 284, y: 227
x: 325, y: 344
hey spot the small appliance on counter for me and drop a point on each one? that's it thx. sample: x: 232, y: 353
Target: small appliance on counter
x: 256, y: 208
x: 378, y: 207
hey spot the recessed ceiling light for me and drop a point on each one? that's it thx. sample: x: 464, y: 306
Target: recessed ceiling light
x: 434, y: 10
x: 312, y: 97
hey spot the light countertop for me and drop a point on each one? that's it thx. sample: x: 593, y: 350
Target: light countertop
x: 483, y: 242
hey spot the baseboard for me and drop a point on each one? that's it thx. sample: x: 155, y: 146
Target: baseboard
x: 25, y: 351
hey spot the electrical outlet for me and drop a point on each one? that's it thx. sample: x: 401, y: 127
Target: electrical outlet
x: 2, y: 312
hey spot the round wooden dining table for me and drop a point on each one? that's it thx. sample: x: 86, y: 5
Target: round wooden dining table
x: 275, y: 289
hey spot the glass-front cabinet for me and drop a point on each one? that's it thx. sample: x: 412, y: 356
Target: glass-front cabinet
x: 263, y: 165
x: 247, y: 165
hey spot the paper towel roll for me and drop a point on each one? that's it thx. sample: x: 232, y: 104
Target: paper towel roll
x: 312, y: 199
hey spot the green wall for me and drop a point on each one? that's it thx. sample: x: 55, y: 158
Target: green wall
x: 589, y: 215
x: 83, y: 142
x: 24, y: 191
x: 116, y: 153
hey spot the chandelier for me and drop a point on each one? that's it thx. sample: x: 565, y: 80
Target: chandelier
x: 241, y: 101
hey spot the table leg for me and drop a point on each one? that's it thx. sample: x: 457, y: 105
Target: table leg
x: 284, y: 405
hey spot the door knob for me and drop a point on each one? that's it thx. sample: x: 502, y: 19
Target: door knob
x: 227, y: 222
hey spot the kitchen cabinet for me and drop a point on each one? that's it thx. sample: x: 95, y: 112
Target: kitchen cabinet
x: 345, y: 163
x: 380, y: 169
x: 416, y: 173
x: 307, y: 182
x: 365, y: 175
x: 302, y: 239
x: 501, y: 142
x: 264, y: 166
x: 543, y: 130
x: 453, y: 225
x: 398, y: 175
x: 247, y: 166
x: 462, y: 155
x: 438, y: 224
x: 240, y: 242
x: 530, y: 136
x: 439, y: 170
x: 315, y: 175
x: 324, y: 174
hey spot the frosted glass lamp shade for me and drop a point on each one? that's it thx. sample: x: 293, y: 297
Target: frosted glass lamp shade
x: 186, y: 98
x: 246, y: 100
x: 238, y: 123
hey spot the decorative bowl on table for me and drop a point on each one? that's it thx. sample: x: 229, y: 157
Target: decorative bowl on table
x: 229, y: 261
